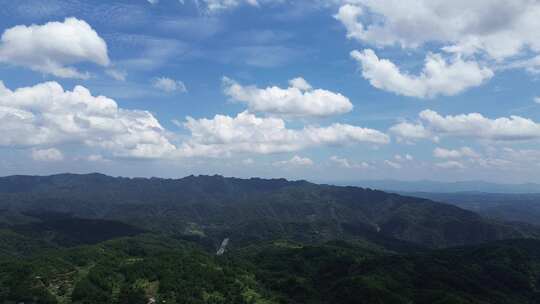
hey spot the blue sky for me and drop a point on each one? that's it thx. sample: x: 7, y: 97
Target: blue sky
x: 339, y: 90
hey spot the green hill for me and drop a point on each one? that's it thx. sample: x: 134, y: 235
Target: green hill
x: 138, y: 269
x: 98, y: 239
x: 248, y: 210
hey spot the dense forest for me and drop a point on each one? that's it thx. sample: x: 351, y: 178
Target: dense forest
x: 210, y: 239
x: 149, y: 268
x: 248, y: 210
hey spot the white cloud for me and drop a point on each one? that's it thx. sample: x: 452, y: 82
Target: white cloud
x: 169, y: 85
x: 452, y: 164
x: 96, y: 158
x: 153, y: 2
x: 298, y: 100
x: 224, y: 135
x: 525, y: 157
x: 296, y: 161
x: 531, y: 65
x: 537, y: 99
x: 438, y: 76
x: 402, y: 158
x: 392, y: 164
x: 49, y: 155
x: 117, y: 74
x: 215, y: 6
x: 53, y: 48
x: 48, y: 115
x: 505, y: 159
x: 466, y: 44
x: 300, y: 83
x: 345, y: 163
x: 45, y: 114
x: 466, y: 27
x: 348, y: 15
x: 475, y: 125
x: 457, y: 153
x: 410, y: 131
x: 399, y: 161
x: 219, y: 5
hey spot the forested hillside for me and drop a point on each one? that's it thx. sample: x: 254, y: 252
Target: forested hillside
x: 149, y: 268
x: 210, y: 239
x: 248, y: 210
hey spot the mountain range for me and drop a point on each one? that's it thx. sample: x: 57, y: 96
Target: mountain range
x: 210, y: 239
x: 247, y: 210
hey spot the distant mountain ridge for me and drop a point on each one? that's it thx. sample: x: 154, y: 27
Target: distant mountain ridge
x: 444, y: 187
x: 511, y: 207
x: 251, y: 210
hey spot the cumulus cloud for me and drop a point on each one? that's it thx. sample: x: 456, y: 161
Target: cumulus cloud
x: 433, y: 125
x: 403, y: 158
x: 345, y: 163
x: 466, y: 27
x: 456, y: 153
x: 505, y: 159
x: 54, y: 47
x: 169, y: 85
x: 470, y: 43
x: 410, y: 131
x: 438, y: 77
x: 399, y: 161
x: 49, y: 155
x: 224, y: 135
x: 298, y: 100
x: 46, y: 114
x: 300, y: 83
x: 295, y: 161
